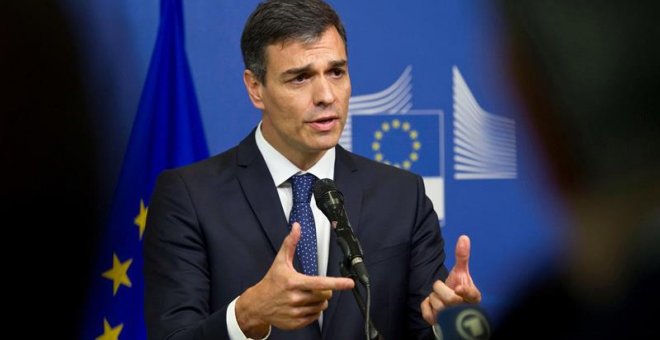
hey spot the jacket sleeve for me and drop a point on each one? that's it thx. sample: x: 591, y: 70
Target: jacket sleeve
x: 176, y: 268
x: 426, y: 262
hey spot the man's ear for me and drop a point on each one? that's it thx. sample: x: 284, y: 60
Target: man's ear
x: 253, y: 86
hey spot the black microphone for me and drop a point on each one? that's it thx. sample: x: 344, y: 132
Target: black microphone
x: 462, y: 322
x: 331, y: 202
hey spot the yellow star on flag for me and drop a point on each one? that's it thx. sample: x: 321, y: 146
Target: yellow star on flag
x: 118, y: 273
x: 141, y: 219
x: 110, y: 333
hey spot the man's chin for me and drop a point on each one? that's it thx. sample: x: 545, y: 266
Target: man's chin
x: 329, y: 143
x: 325, y: 147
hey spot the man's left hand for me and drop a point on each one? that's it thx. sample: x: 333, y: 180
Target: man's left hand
x: 457, y: 289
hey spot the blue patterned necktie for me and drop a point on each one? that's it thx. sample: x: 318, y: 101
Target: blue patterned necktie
x: 301, y: 212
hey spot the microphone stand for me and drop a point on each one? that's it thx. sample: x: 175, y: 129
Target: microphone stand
x: 346, y: 270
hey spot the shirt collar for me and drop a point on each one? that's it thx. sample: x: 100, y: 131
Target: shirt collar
x: 281, y: 169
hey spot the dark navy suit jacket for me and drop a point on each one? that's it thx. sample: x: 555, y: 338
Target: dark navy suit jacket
x: 214, y: 228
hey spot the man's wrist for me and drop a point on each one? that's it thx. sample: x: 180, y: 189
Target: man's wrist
x: 253, y: 326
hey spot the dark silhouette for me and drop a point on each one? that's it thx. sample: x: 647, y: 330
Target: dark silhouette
x: 47, y: 166
x: 589, y: 74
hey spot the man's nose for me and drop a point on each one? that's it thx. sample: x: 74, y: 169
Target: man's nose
x: 323, y: 94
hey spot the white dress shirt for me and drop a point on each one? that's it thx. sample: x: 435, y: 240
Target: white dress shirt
x: 281, y: 169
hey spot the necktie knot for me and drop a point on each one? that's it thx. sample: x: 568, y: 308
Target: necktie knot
x: 301, y: 186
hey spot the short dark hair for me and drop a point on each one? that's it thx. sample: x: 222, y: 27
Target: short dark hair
x: 280, y: 20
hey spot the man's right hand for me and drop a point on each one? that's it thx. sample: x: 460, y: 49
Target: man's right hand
x: 285, y: 298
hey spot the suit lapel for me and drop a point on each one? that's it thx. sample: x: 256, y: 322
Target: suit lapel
x: 261, y: 193
x: 347, y: 181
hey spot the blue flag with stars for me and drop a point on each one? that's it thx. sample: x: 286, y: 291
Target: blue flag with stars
x: 167, y: 132
x: 410, y: 141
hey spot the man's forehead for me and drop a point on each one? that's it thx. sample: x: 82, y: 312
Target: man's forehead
x: 308, y: 40
x: 305, y: 44
x: 295, y: 54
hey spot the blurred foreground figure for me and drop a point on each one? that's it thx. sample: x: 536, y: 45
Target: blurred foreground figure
x: 589, y: 73
x: 48, y: 176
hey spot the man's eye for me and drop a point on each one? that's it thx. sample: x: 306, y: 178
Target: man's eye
x: 338, y: 72
x: 299, y: 78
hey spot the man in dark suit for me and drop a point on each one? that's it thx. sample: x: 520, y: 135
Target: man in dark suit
x: 221, y: 260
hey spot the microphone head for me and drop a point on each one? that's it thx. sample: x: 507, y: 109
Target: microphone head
x: 462, y: 322
x: 328, y: 198
x: 323, y: 186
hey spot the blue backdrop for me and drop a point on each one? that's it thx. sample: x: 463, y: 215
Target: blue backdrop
x: 431, y: 63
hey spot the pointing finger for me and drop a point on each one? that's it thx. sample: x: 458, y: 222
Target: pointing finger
x: 462, y: 252
x: 324, y: 283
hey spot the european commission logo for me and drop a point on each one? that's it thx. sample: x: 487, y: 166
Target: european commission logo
x: 384, y: 127
x: 484, y: 143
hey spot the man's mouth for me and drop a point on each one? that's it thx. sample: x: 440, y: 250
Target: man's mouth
x: 324, y: 124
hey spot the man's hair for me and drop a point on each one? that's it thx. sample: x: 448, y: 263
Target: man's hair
x: 282, y: 20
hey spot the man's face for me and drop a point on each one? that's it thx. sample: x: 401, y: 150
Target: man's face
x: 304, y: 97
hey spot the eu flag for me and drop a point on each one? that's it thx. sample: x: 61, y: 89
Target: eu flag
x: 410, y: 141
x: 167, y: 132
x: 407, y: 141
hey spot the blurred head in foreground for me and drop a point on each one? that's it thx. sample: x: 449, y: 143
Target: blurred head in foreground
x: 589, y: 74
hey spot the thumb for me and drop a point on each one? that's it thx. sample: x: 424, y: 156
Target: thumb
x: 288, y: 248
x: 462, y: 253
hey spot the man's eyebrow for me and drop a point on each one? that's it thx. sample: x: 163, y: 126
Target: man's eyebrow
x: 337, y: 63
x: 296, y: 71
x: 308, y: 68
